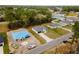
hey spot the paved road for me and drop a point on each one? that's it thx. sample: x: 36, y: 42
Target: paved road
x: 48, y: 45
x: 45, y: 37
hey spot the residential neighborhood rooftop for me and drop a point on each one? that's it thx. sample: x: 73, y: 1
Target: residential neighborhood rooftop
x: 1, y: 39
x: 34, y: 30
x: 58, y: 16
x: 73, y: 18
x: 54, y: 25
x: 39, y: 28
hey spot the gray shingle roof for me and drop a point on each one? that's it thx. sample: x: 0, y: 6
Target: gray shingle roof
x: 73, y: 18
x: 54, y: 25
x: 39, y: 28
x: 66, y: 21
x: 60, y: 16
x: 1, y: 39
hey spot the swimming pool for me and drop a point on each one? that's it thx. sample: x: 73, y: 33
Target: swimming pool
x: 20, y: 34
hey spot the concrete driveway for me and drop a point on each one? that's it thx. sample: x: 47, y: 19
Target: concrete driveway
x: 45, y: 37
x: 1, y: 50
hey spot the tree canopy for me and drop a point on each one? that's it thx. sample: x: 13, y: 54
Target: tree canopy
x: 71, y: 8
x: 30, y: 16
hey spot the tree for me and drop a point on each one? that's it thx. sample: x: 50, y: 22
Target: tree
x: 30, y: 16
x: 71, y: 8
x: 76, y: 35
x: 9, y: 15
x: 76, y: 30
x: 20, y: 13
x: 16, y: 24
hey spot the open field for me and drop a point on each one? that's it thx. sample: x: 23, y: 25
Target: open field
x: 55, y: 33
x: 71, y: 14
x: 3, y: 27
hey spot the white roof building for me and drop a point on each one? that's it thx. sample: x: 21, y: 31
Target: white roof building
x: 58, y: 16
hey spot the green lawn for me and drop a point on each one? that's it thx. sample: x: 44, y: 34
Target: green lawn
x: 55, y: 33
x: 71, y: 14
x: 68, y: 27
x: 57, y: 20
x: 42, y: 41
x: 6, y: 46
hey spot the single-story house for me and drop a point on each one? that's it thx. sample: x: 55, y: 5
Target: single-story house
x: 62, y: 23
x: 39, y: 29
x: 1, y: 40
x: 67, y: 21
x: 54, y: 25
x: 58, y: 16
x: 19, y: 34
x: 77, y: 13
x: 73, y: 18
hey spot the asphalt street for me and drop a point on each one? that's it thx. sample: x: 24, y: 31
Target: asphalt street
x: 50, y: 44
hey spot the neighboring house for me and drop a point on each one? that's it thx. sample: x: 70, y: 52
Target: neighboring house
x: 63, y: 23
x: 54, y: 25
x: 59, y: 8
x: 58, y: 16
x: 19, y: 34
x: 77, y: 13
x: 68, y: 22
x: 73, y: 18
x: 39, y: 29
x: 1, y: 40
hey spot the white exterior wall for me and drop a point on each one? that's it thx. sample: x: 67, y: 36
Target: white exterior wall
x: 37, y: 32
x: 34, y: 30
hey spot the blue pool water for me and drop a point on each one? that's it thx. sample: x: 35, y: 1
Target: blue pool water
x: 20, y: 35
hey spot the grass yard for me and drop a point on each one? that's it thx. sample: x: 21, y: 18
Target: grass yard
x: 42, y: 41
x: 3, y: 27
x: 71, y: 14
x: 6, y: 45
x: 55, y: 33
x: 57, y: 20
x: 68, y: 27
